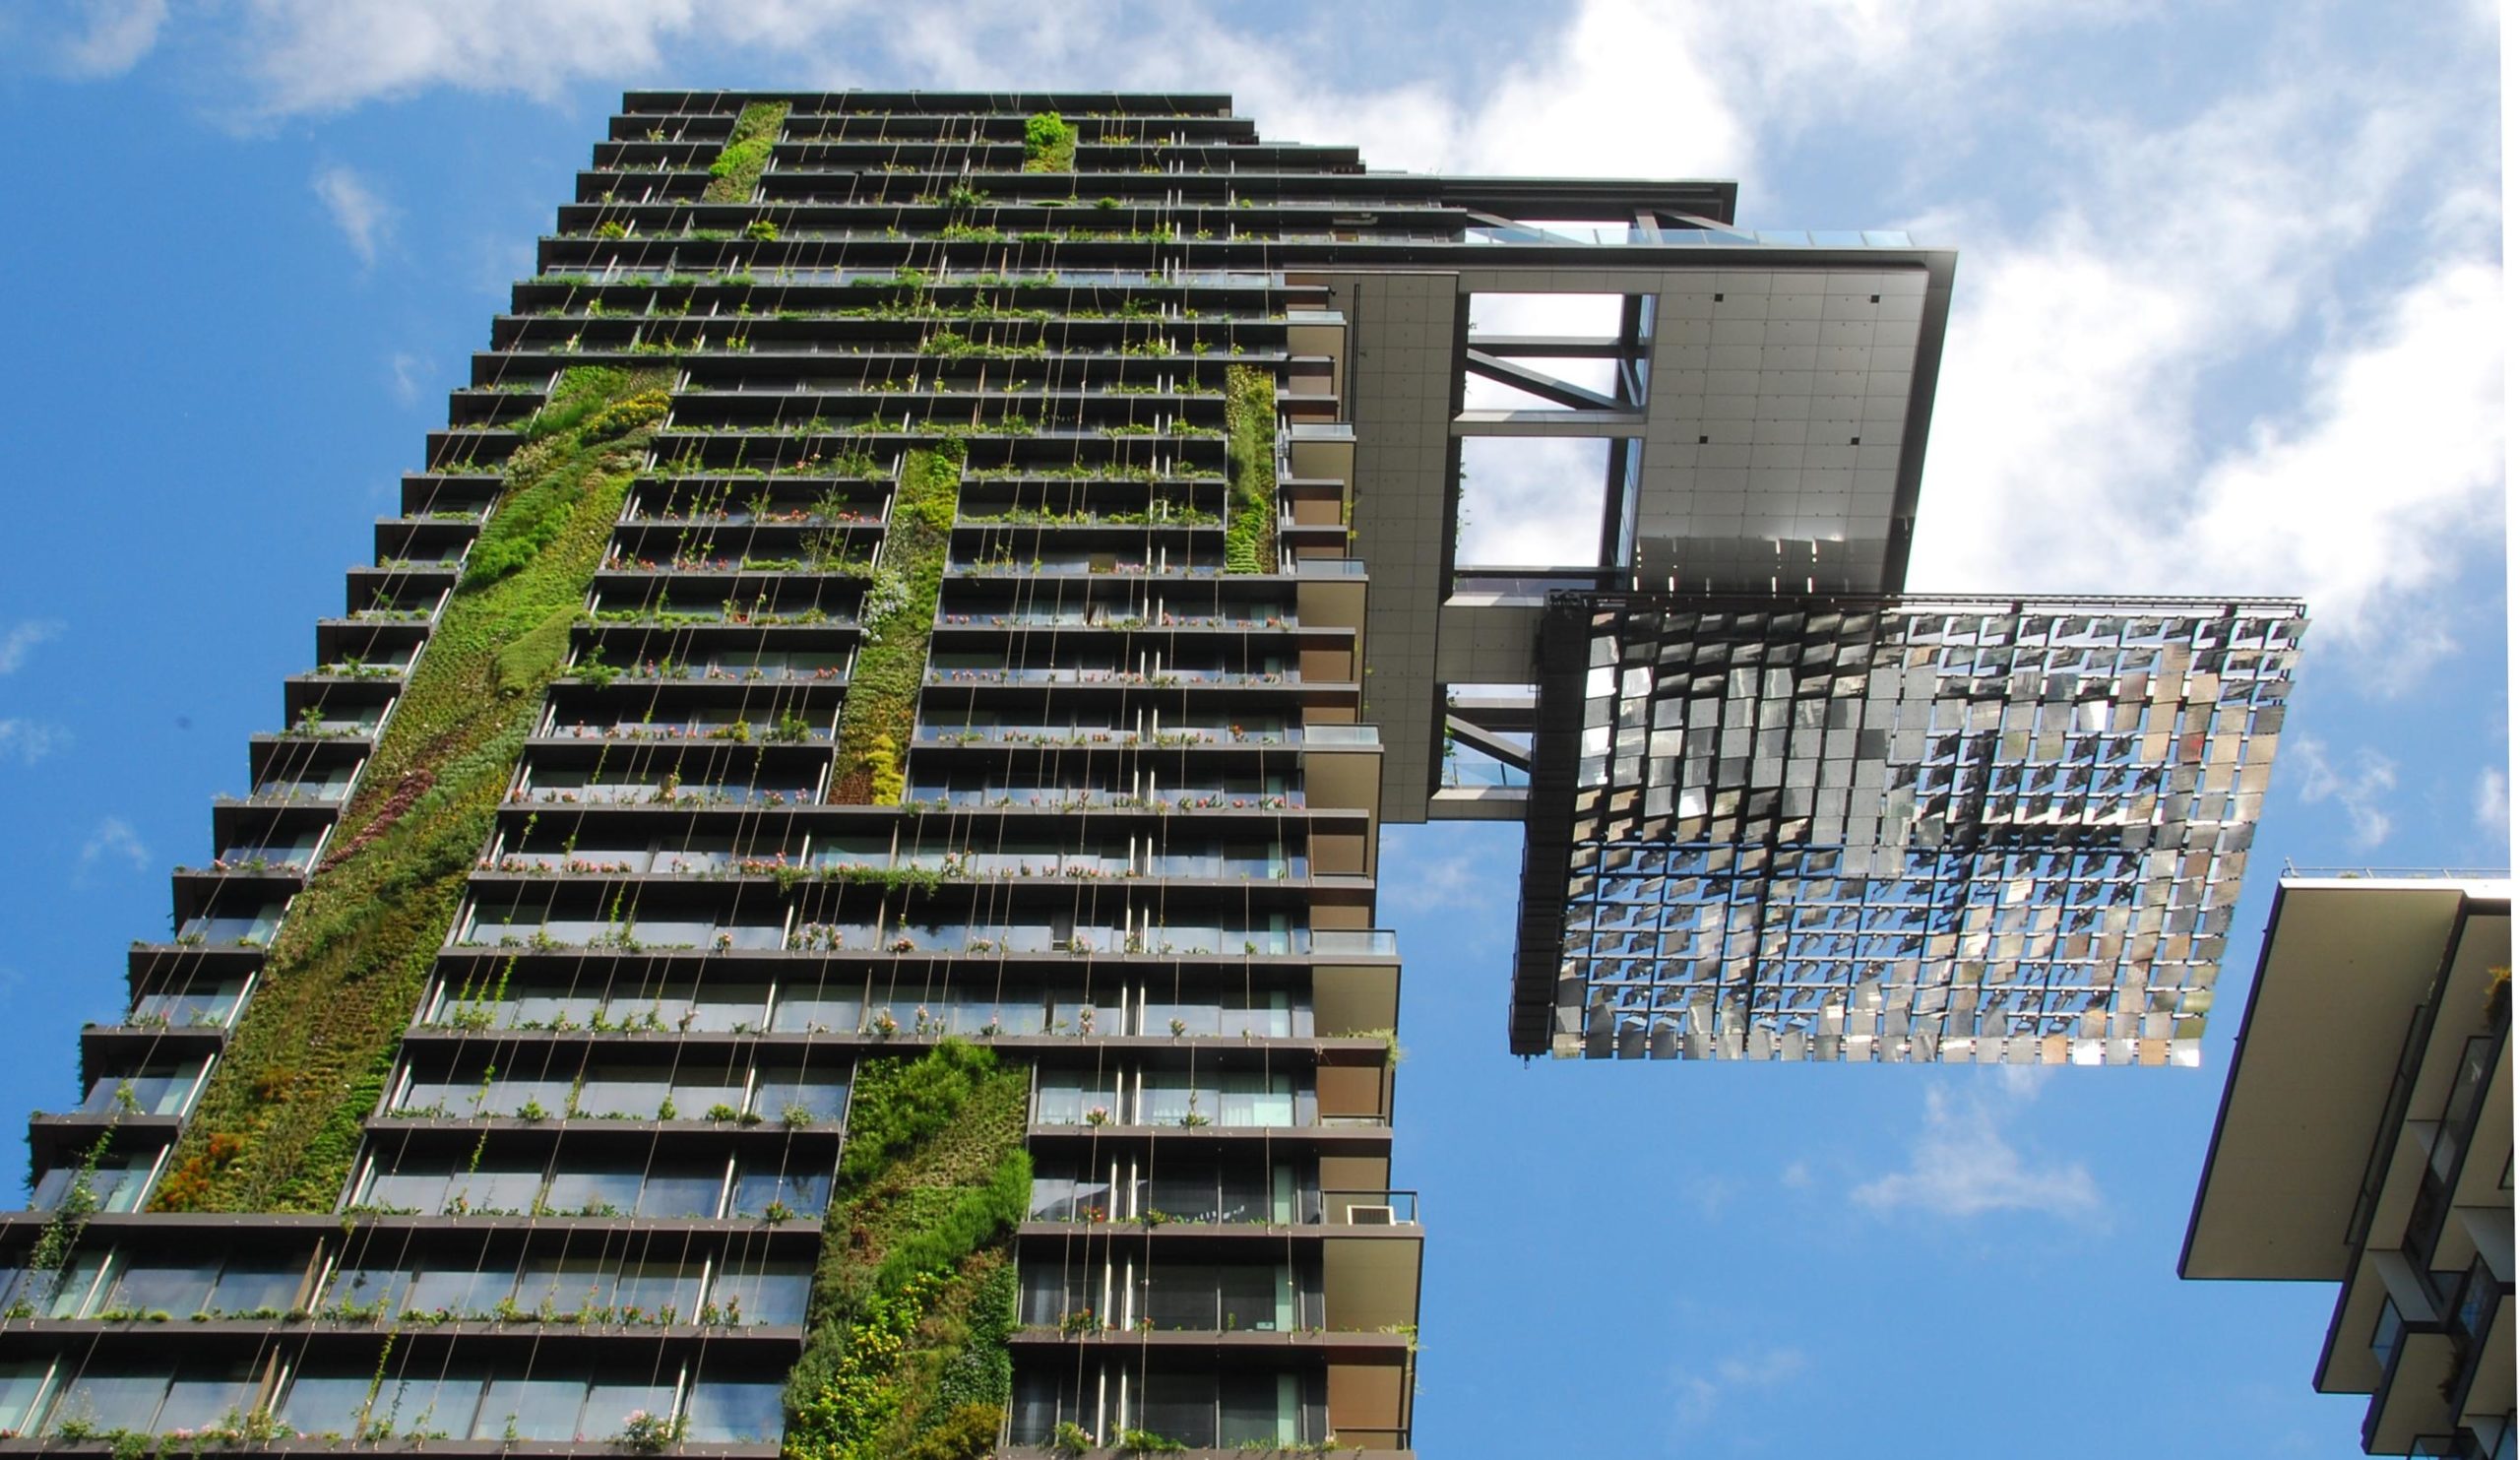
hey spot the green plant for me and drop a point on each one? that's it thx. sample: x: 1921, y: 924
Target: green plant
x: 882, y: 702
x: 1148, y: 1442
x: 281, y: 1118
x: 913, y: 1298
x: 1049, y: 144
x: 1070, y: 1439
x: 1251, y: 454
x: 645, y: 1433
x: 738, y: 168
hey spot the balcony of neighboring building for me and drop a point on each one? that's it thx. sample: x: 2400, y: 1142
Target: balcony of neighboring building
x: 2366, y: 1139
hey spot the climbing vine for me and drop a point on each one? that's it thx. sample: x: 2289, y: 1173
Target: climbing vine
x: 898, y: 618
x: 738, y: 168
x: 279, y: 1125
x: 913, y: 1296
x: 1252, y: 452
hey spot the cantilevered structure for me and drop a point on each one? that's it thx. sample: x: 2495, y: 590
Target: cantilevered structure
x: 2365, y: 1140
x: 821, y: 890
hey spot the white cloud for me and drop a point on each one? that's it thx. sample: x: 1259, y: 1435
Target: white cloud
x: 1703, y: 1391
x: 2493, y: 800
x: 1963, y: 1165
x: 362, y: 217
x: 28, y: 741
x: 1430, y: 883
x: 119, y: 34
x: 113, y: 837
x: 2360, y: 788
x: 1797, y: 1175
x: 410, y: 373
x: 22, y: 638
x: 2069, y: 431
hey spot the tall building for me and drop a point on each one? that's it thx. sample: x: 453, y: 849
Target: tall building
x: 823, y: 884
x: 2365, y: 1140
x: 832, y: 853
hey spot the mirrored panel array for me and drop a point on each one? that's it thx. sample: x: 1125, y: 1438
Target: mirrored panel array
x: 1994, y: 830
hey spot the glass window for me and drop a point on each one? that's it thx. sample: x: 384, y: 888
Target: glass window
x: 324, y: 1403
x: 562, y: 1284
x: 259, y: 1286
x: 201, y: 1395
x: 1180, y: 1407
x: 761, y: 1292
x: 802, y: 1193
x: 594, y: 1193
x: 531, y: 1408
x: 612, y: 1402
x: 1257, y: 1409
x: 427, y: 1404
x: 368, y: 1289
x: 156, y: 1287
x: 459, y: 1292
x: 818, y: 1014
x: 687, y: 1193
x: 659, y: 1290
x: 794, y: 1095
x: 491, y: 1191
x: 723, y: 1411
x: 111, y: 1401
x: 1061, y: 1194
x: 20, y: 1382
x: 73, y: 1291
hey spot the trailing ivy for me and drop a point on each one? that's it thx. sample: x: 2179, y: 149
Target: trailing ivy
x: 913, y: 1296
x: 279, y: 1123
x: 1049, y: 144
x: 1252, y: 456
x: 738, y: 168
x: 898, y: 618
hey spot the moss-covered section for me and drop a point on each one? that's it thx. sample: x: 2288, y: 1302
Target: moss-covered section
x: 279, y: 1125
x: 1251, y: 451
x: 738, y: 168
x: 1049, y: 144
x: 897, y: 618
x: 915, y: 1293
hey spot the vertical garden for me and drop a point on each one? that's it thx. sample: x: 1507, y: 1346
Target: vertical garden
x: 279, y: 1125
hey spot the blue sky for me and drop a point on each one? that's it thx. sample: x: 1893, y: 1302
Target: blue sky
x: 2226, y: 322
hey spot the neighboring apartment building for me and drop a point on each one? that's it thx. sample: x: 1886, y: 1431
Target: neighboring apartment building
x: 839, y: 836
x: 2365, y: 1140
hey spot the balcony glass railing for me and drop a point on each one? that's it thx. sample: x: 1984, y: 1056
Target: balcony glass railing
x: 210, y: 1006
x: 1254, y: 617
x: 792, y: 731
x: 1229, y: 1101
x: 231, y: 930
x: 1046, y: 937
x: 783, y: 1095
x: 1163, y: 679
x: 490, y: 930
x: 1558, y: 234
x: 823, y: 1006
x: 1093, y: 798
x: 664, y: 1190
x: 1175, y: 565
x: 661, y: 794
x: 159, y: 1092
x: 1091, y: 736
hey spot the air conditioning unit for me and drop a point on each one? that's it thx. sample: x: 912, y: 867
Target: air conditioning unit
x: 1363, y: 1216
